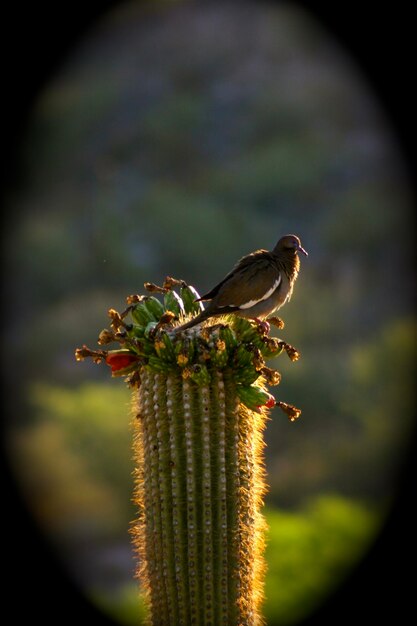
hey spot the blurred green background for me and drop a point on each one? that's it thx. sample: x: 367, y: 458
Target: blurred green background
x: 175, y: 139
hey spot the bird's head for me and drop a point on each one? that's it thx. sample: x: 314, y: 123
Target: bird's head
x: 290, y: 243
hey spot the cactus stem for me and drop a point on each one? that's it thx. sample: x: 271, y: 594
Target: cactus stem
x: 151, y: 543
x: 176, y: 437
x: 220, y: 541
x: 207, y: 526
x: 233, y: 486
x: 192, y: 519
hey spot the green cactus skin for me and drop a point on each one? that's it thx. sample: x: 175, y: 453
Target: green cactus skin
x: 199, y: 489
x: 200, y: 405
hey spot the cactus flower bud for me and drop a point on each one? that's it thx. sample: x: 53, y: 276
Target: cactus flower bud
x: 121, y: 362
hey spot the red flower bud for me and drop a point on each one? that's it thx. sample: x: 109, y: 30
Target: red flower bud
x: 119, y: 361
x: 270, y: 403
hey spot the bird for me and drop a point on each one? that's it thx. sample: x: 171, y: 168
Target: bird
x: 260, y: 283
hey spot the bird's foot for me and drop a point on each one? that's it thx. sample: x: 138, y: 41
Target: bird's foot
x: 263, y: 326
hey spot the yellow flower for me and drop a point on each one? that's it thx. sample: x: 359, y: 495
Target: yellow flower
x: 182, y: 359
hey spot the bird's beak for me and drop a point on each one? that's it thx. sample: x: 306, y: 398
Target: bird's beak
x: 301, y: 249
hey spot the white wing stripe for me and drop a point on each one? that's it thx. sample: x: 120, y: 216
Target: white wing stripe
x: 252, y: 303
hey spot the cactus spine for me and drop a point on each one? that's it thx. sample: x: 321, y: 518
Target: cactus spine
x: 199, y: 406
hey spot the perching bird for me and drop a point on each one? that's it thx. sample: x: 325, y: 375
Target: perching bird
x: 260, y: 283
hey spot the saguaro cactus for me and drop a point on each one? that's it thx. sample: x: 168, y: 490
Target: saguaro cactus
x: 199, y: 406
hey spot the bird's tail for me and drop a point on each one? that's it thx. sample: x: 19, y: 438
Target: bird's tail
x: 194, y: 321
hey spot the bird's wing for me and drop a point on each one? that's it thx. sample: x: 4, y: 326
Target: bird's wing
x: 253, y: 279
x: 238, y: 267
